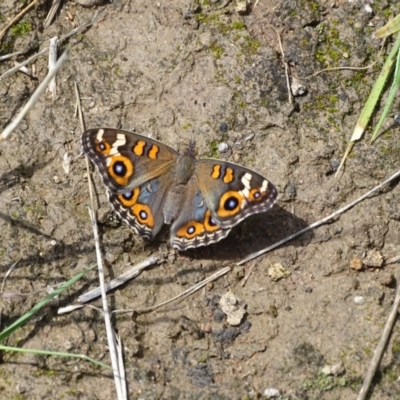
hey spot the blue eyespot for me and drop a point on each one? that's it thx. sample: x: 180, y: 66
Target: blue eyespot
x: 119, y: 168
x: 231, y: 203
x: 128, y: 195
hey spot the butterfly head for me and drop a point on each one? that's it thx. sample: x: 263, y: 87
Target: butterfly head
x: 189, y: 149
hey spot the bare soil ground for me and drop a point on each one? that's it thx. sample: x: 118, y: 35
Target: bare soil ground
x: 177, y: 70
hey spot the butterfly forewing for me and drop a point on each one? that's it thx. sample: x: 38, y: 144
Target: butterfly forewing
x: 233, y: 192
x: 126, y: 160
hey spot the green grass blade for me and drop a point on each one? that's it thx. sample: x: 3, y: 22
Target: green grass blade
x: 372, y: 100
x: 391, y: 27
x: 55, y: 353
x: 391, y: 96
x: 21, y: 321
x: 376, y: 92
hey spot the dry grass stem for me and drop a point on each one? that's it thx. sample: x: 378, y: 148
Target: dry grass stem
x: 120, y: 280
x: 33, y: 99
x: 16, y: 18
x: 376, y: 359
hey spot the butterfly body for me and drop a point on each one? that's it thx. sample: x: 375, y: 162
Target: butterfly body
x: 149, y: 183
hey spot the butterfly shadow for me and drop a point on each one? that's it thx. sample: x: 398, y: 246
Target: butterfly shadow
x: 254, y: 234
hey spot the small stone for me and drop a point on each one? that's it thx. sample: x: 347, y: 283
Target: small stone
x: 241, y: 6
x: 66, y: 164
x: 337, y: 230
x: 110, y: 257
x: 270, y: 393
x: 277, y: 271
x: 223, y: 127
x: 250, y: 136
x: 291, y: 190
x: 298, y: 89
x: 335, y: 165
x: 373, y: 259
x: 356, y: 264
x: 233, y: 309
x: 359, y: 300
x: 335, y: 370
x: 222, y: 147
x: 338, y: 369
x: 56, y: 179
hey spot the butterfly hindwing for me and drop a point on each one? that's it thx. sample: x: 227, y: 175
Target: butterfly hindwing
x: 195, y: 225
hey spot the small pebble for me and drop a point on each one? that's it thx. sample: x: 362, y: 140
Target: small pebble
x: 373, y: 259
x: 298, y: 89
x: 233, y: 309
x: 223, y: 127
x: 368, y: 9
x: 277, y: 271
x: 356, y: 264
x: 270, y: 393
x: 222, y: 147
x: 335, y: 165
x: 250, y: 136
x: 335, y: 370
x: 359, y: 300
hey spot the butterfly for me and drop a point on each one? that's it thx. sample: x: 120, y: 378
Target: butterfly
x: 149, y: 183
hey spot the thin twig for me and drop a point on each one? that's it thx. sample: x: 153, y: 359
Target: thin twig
x: 350, y: 68
x: 109, y: 330
x: 119, y: 375
x: 53, y: 43
x: 52, y: 12
x: 34, y: 98
x: 189, y: 291
x: 381, y: 347
x: 7, y: 56
x: 290, y: 95
x: 96, y: 17
x: 16, y: 18
x: 11, y: 269
x: 120, y: 280
x: 320, y: 222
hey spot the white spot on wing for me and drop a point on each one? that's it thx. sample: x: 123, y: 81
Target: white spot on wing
x: 264, y: 186
x: 121, y: 141
x: 100, y: 134
x: 246, y: 180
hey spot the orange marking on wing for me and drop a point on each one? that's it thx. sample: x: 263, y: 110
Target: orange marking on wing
x: 132, y: 201
x: 229, y: 175
x: 138, y: 148
x: 208, y: 224
x: 190, y: 230
x: 105, y: 150
x: 143, y: 214
x: 153, y: 152
x: 216, y: 172
x: 224, y: 206
x: 253, y: 192
x: 127, y: 169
